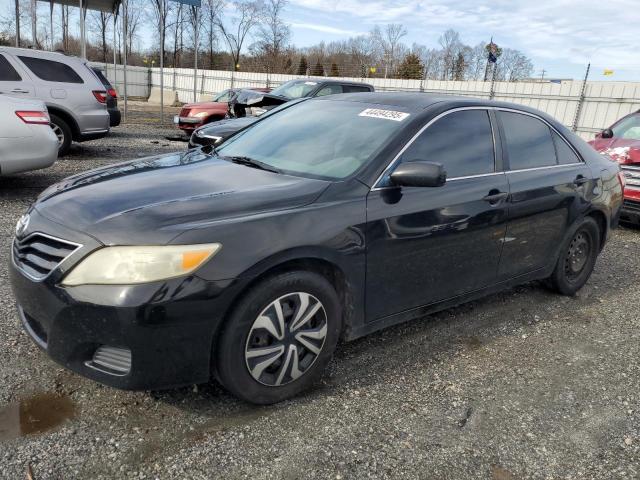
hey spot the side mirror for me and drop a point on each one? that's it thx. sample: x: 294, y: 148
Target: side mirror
x: 607, y: 133
x: 419, y: 174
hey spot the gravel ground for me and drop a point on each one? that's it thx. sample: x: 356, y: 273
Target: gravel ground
x: 523, y: 384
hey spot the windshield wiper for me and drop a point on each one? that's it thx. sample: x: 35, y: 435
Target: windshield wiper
x: 250, y: 162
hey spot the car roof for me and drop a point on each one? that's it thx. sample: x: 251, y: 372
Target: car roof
x: 331, y: 81
x: 416, y: 101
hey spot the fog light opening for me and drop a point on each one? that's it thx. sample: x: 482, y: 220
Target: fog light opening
x: 111, y: 360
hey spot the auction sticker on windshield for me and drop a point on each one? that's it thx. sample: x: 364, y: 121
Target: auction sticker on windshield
x: 386, y: 114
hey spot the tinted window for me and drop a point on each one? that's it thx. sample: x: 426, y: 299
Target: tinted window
x: 329, y: 90
x: 355, y: 88
x: 461, y: 141
x: 102, y: 78
x: 51, y: 71
x: 566, y: 154
x: 7, y: 72
x: 528, y: 141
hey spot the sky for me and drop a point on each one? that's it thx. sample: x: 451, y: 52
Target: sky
x: 560, y: 36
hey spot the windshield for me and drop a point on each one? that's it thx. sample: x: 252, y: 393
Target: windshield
x: 295, y: 89
x: 322, y: 139
x: 223, y: 96
x: 628, y: 128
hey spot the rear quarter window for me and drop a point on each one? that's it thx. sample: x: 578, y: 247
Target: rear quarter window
x: 51, y: 71
x: 566, y: 155
x: 7, y: 72
x: 528, y: 141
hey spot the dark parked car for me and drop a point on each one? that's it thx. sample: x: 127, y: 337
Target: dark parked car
x: 216, y: 133
x: 111, y: 98
x: 331, y: 219
x: 260, y: 103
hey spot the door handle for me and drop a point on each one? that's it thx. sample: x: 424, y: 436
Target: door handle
x: 580, y: 180
x: 495, y: 197
x: 19, y: 90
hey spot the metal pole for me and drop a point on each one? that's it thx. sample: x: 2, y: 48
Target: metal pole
x: 83, y: 39
x: 125, y: 27
x: 195, y: 71
x: 34, y: 21
x: 115, y: 46
x: 583, y: 91
x: 161, y: 11
x: 51, y: 23
x: 17, y: 23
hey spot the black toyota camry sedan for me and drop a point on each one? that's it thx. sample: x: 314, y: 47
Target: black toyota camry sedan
x: 327, y: 220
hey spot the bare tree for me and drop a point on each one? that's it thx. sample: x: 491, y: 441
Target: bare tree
x: 273, y: 33
x: 211, y: 10
x: 513, y: 65
x: 390, y: 45
x: 236, y: 30
x: 100, y: 22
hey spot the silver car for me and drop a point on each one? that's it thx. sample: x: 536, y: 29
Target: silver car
x: 74, y: 95
x: 26, y: 140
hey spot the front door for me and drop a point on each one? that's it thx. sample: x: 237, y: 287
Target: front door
x: 426, y: 244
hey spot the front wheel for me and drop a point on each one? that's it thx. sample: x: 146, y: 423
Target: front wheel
x: 577, y: 258
x: 280, y: 338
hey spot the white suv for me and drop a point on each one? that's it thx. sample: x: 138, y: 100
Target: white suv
x: 75, y: 97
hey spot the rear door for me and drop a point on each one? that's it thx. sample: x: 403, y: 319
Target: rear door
x: 14, y: 80
x: 549, y: 184
x: 426, y: 244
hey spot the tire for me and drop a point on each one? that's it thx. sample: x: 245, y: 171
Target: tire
x: 63, y: 132
x: 287, y: 365
x: 577, y: 258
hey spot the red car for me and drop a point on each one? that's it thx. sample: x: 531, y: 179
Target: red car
x: 621, y: 142
x: 193, y: 115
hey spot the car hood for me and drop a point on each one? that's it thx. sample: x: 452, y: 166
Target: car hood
x: 623, y: 150
x: 226, y: 126
x: 206, y: 106
x: 153, y: 200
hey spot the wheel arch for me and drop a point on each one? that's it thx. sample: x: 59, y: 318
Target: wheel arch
x: 67, y: 117
x: 603, y: 225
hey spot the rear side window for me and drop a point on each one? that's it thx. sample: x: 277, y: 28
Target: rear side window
x: 7, y: 72
x: 528, y: 141
x: 102, y: 78
x: 51, y: 71
x: 566, y: 155
x: 355, y: 89
x: 461, y: 141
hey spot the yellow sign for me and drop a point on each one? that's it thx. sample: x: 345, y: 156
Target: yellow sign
x: 607, y: 72
x: 372, y: 69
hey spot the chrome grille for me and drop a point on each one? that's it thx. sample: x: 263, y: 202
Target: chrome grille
x: 113, y: 360
x: 38, y: 255
x: 632, y: 176
x: 631, y: 206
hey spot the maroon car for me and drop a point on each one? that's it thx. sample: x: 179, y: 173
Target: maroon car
x: 621, y: 142
x: 193, y: 115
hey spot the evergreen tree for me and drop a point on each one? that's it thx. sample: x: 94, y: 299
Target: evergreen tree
x: 302, y: 67
x: 318, y: 70
x: 459, y: 67
x: 411, y: 67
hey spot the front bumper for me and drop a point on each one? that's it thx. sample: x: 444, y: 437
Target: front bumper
x: 169, y: 326
x: 631, y: 210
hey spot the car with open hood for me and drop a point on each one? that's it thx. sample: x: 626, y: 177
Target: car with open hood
x: 621, y: 142
x: 328, y: 220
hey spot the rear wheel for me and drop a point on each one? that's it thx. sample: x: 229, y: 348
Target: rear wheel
x: 62, y: 130
x: 577, y: 258
x: 280, y: 338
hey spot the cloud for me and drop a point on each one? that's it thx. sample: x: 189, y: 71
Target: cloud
x: 326, y: 29
x: 572, y: 31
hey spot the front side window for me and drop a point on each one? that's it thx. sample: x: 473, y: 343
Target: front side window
x: 528, y: 141
x: 295, y: 89
x: 628, y: 128
x: 461, y: 141
x: 318, y: 138
x: 7, y: 72
x: 51, y: 71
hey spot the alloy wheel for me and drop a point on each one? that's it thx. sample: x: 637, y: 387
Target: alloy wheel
x: 577, y: 256
x: 286, y: 339
x: 58, y: 132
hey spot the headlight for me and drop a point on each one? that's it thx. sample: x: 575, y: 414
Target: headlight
x: 201, y: 114
x: 132, y: 265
